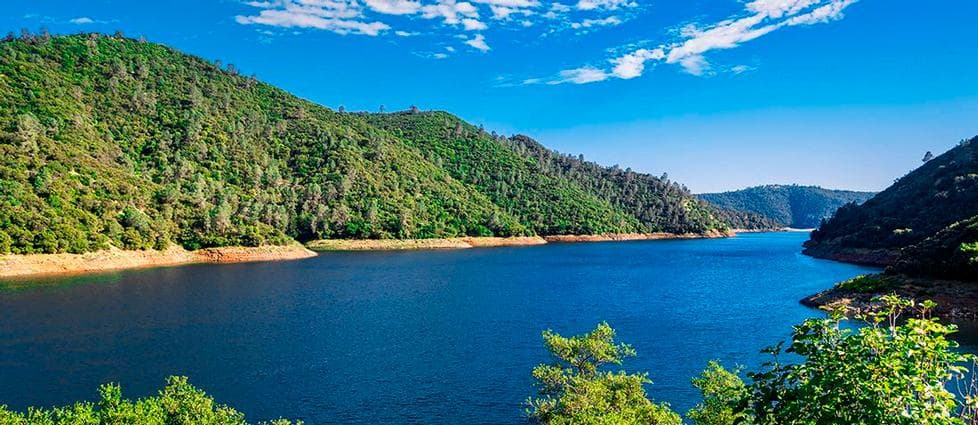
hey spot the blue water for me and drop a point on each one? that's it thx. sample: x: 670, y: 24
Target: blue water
x: 444, y: 337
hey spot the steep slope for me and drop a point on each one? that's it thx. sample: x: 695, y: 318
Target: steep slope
x: 543, y: 201
x: 109, y: 141
x: 802, y: 207
x: 916, y: 207
x: 659, y: 204
x: 951, y: 253
x: 544, y: 188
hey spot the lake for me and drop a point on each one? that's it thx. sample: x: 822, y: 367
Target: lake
x: 444, y: 337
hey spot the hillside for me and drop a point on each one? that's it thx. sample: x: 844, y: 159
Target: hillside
x: 107, y: 141
x: 916, y: 207
x: 550, y: 192
x: 802, y: 207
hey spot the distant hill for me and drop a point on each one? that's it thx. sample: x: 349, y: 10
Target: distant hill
x: 108, y: 141
x: 922, y: 225
x: 774, y: 206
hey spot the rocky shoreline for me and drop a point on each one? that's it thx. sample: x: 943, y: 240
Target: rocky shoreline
x: 955, y: 300
x: 13, y: 265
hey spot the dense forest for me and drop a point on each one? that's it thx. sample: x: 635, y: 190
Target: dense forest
x: 802, y: 207
x: 109, y: 141
x: 550, y: 192
x: 925, y: 221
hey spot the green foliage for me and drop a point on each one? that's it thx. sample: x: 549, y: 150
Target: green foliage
x: 864, y: 283
x: 951, y: 253
x: 929, y: 200
x: 889, y: 372
x: 108, y: 141
x: 178, y: 403
x: 574, y: 391
x: 723, y: 392
x: 774, y: 206
x: 549, y: 192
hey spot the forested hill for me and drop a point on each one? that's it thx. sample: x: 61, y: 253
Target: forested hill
x: 545, y: 188
x: 924, y: 223
x: 108, y: 141
x: 802, y: 207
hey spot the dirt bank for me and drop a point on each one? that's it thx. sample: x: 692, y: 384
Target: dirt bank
x: 114, y: 259
x: 636, y: 236
x: 404, y: 244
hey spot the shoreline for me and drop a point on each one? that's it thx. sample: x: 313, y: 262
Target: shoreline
x: 956, y: 300
x: 15, y: 265
x: 861, y: 256
x: 621, y: 237
x: 421, y: 244
x: 489, y: 241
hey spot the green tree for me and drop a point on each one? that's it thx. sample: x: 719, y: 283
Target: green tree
x: 723, y: 392
x: 178, y: 403
x: 887, y: 372
x: 573, y: 390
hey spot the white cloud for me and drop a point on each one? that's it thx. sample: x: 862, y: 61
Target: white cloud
x: 478, y: 42
x: 339, y: 16
x: 401, y: 33
x: 394, y: 7
x: 761, y: 18
x: 632, y: 64
x: 473, y: 24
x: 588, y: 23
x: 82, y: 20
x: 604, y: 4
x: 779, y: 8
x: 695, y: 65
x: 450, y: 11
x: 289, y: 19
x: 582, y: 75
x: 740, y: 69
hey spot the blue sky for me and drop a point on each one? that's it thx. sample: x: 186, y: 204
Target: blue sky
x: 720, y: 94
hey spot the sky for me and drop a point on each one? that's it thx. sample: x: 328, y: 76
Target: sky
x: 719, y: 94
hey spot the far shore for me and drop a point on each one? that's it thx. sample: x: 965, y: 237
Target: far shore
x: 481, y: 242
x: 420, y: 244
x: 13, y: 265
x: 779, y: 229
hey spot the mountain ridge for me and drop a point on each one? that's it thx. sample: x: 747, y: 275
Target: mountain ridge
x: 781, y: 205
x: 112, y: 142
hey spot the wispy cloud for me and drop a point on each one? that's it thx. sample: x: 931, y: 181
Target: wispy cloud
x: 456, y: 19
x: 478, y: 42
x: 760, y: 17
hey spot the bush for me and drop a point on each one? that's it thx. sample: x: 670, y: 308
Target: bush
x: 885, y: 373
x: 864, y: 284
x: 178, y: 403
x: 574, y: 391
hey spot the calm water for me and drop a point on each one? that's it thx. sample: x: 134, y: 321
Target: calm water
x: 403, y: 337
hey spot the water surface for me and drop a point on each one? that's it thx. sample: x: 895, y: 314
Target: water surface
x: 403, y: 337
